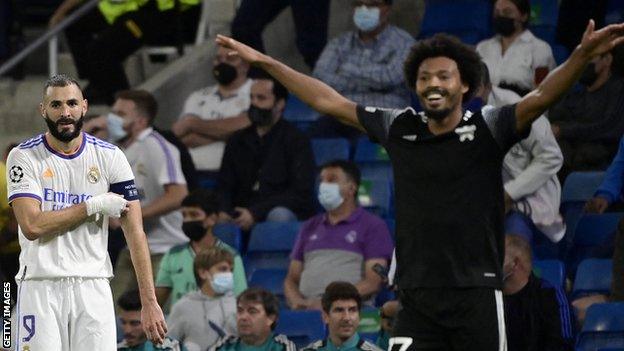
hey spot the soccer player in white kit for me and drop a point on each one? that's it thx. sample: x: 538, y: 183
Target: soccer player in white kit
x: 63, y: 185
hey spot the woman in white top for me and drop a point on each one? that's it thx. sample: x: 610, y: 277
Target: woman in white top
x: 516, y: 59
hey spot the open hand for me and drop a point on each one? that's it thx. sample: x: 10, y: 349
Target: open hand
x: 245, y: 52
x: 598, y: 42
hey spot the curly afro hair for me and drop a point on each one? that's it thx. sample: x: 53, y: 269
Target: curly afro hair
x: 443, y: 45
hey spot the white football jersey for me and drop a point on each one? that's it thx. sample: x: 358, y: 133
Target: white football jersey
x: 57, y: 181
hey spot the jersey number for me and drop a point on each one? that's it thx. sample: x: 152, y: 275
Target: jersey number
x: 403, y: 341
x: 29, y: 324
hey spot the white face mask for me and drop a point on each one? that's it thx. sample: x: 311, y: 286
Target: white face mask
x: 365, y: 18
x: 329, y: 196
x: 115, y: 127
x: 222, y: 282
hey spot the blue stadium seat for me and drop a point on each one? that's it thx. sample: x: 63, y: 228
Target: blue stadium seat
x: 230, y: 234
x: 376, y: 196
x: 553, y: 271
x: 299, y: 113
x: 467, y: 19
x: 271, y: 279
x: 270, y: 244
x: 593, y: 276
x: 301, y: 327
x: 593, y: 238
x: 372, y: 159
x: 391, y: 223
x: 543, y: 19
x: 603, y: 328
x: 560, y: 53
x: 578, y: 188
x: 326, y: 150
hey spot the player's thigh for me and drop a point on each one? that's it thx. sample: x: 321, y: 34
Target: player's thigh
x: 93, y: 326
x: 39, y: 316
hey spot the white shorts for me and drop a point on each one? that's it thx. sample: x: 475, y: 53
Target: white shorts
x: 65, y: 314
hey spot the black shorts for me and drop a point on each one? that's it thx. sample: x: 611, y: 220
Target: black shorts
x: 450, y: 319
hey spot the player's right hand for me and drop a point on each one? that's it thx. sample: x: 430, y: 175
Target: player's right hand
x: 245, y: 52
x: 109, y: 204
x: 153, y: 322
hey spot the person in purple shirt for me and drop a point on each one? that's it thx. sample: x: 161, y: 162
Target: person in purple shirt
x: 346, y: 238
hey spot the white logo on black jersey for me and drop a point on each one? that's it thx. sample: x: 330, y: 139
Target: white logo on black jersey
x: 411, y: 137
x: 466, y: 133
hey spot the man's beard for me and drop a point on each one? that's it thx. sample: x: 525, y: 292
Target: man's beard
x: 64, y: 136
x: 436, y: 115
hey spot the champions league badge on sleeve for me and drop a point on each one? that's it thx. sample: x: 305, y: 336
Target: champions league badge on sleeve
x: 16, y: 174
x: 93, y: 175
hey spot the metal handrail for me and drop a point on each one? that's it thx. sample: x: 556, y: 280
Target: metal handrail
x: 51, y: 36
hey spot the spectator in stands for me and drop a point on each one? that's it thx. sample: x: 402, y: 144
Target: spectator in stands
x: 267, y: 173
x: 609, y: 193
x: 212, y: 114
x: 176, y: 276
x: 537, y: 315
x: 257, y: 312
x: 341, y: 312
x: 346, y: 237
x: 616, y: 293
x: 365, y: 65
x: 588, y: 123
x: 134, y: 335
x: 201, y: 317
x: 97, y: 125
x: 517, y: 60
x: 532, y: 189
x: 310, y: 16
x: 103, y: 38
x: 159, y: 180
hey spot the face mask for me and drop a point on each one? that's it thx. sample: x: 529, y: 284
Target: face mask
x: 222, y: 282
x: 366, y: 18
x: 260, y: 117
x: 589, y: 75
x: 329, y: 196
x: 224, y: 73
x: 194, y: 230
x: 115, y: 127
x: 504, y: 25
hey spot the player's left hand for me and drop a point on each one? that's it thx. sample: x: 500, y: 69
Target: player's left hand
x: 153, y: 322
x: 245, y: 219
x: 598, y: 42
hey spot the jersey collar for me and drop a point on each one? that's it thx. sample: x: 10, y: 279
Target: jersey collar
x: 65, y: 156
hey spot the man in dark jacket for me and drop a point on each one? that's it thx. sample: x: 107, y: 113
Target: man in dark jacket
x: 267, y: 172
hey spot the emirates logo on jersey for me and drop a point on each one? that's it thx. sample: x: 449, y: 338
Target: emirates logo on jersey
x: 94, y: 175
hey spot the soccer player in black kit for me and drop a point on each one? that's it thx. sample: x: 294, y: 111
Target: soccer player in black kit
x: 447, y: 175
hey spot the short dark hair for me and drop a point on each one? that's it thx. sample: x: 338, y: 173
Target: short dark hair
x: 279, y: 90
x: 144, y: 100
x: 524, y: 6
x: 207, y: 258
x: 340, y: 291
x: 60, y: 80
x: 351, y: 169
x: 202, y: 198
x: 269, y: 302
x: 444, y: 45
x: 130, y: 301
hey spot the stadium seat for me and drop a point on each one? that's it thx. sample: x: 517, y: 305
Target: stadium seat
x: 376, y: 196
x: 593, y: 238
x: 299, y: 113
x: 467, y: 19
x: 578, y: 188
x: 553, y: 271
x: 543, y: 19
x: 326, y: 150
x: 592, y: 277
x: 301, y: 327
x: 270, y: 244
x: 230, y: 234
x: 603, y: 328
x: 372, y: 159
x: 271, y: 279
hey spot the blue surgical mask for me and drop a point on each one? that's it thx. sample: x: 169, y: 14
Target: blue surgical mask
x: 329, y: 196
x: 365, y: 18
x: 115, y: 127
x: 222, y: 282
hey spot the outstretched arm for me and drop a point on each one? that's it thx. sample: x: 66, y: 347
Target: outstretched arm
x: 312, y: 91
x: 594, y: 43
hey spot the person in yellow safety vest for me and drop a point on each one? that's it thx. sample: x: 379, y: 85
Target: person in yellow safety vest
x: 103, y: 38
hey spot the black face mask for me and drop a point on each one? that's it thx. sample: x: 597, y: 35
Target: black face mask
x: 589, y: 75
x: 63, y: 136
x: 260, y: 117
x: 224, y: 73
x: 194, y: 230
x: 503, y: 25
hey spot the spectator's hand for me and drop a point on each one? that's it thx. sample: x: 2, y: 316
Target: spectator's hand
x: 597, y: 204
x: 314, y: 304
x: 243, y: 51
x: 508, y: 202
x: 598, y: 42
x: 245, y: 219
x: 184, y: 126
x: 153, y: 322
x: 224, y: 217
x: 298, y: 304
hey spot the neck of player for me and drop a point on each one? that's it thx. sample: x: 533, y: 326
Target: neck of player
x: 63, y: 147
x: 448, y: 123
